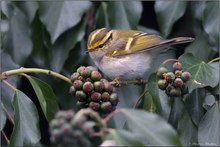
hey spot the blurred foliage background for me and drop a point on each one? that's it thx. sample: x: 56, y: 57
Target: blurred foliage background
x: 53, y: 35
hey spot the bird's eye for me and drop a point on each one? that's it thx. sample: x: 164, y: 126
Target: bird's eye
x: 101, y: 45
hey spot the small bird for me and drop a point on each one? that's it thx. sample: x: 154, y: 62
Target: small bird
x: 127, y: 54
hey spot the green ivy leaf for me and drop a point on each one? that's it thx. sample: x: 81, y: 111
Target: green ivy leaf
x: 201, y: 49
x: 124, y: 138
x: 188, y: 136
x: 59, y: 16
x: 198, y: 7
x: 18, y: 42
x: 168, y: 12
x: 208, y: 133
x: 26, y: 128
x: 29, y: 8
x: 46, y: 97
x: 211, y: 21
x: 60, y: 50
x: 152, y: 128
x: 202, y: 73
x: 124, y: 15
x: 194, y: 104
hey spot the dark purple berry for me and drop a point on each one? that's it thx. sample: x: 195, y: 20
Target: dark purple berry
x: 177, y: 66
x: 185, y: 76
x: 161, y: 71
x: 72, y: 90
x: 108, y: 87
x: 162, y: 84
x: 178, y: 82
x: 94, y: 106
x: 184, y: 89
x: 78, y: 84
x: 88, y: 87
x: 96, y: 76
x: 105, y: 96
x: 169, y: 77
x: 81, y: 96
x: 96, y: 96
x: 106, y: 106
x: 113, y: 99
x: 98, y: 86
x: 74, y: 76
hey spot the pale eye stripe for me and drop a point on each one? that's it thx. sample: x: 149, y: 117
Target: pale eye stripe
x: 97, y: 32
x: 128, y: 45
x: 106, y: 37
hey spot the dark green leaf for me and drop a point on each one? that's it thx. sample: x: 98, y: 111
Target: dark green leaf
x: 29, y: 8
x: 2, y: 116
x: 124, y: 138
x: 168, y: 12
x: 154, y: 92
x: 211, y: 21
x: 209, y: 101
x: 60, y: 50
x: 101, y: 16
x: 26, y: 128
x: 187, y: 130
x: 152, y: 128
x: 18, y: 42
x: 200, y: 48
x: 148, y: 30
x: 124, y: 15
x: 198, y: 8
x: 193, y: 103
x: 46, y: 97
x: 59, y: 16
x: 208, y: 134
x: 202, y: 73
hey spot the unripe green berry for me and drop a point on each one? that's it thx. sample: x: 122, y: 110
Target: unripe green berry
x: 96, y: 96
x: 88, y: 87
x: 80, y: 69
x: 78, y: 84
x: 77, y: 121
x: 185, y: 76
x: 105, y: 96
x: 177, y: 66
x: 96, y: 76
x: 88, y: 126
x: 98, y: 86
x: 78, y: 134
x: 60, y: 115
x: 72, y: 90
x: 113, y: 99
x: 94, y: 106
x: 162, y: 84
x: 81, y: 96
x: 178, y: 82
x: 85, y: 72
x: 169, y: 77
x: 103, y: 80
x: 178, y: 73
x: 108, y: 87
x: 66, y: 129
x: 74, y: 76
x: 92, y: 68
x: 80, y: 78
x: 161, y: 71
x: 81, y: 105
x: 106, y: 106
x: 175, y: 92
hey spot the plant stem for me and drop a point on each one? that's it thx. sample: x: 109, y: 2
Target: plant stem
x: 169, y: 60
x: 129, y: 82
x: 108, y: 117
x: 8, y: 115
x: 140, y: 98
x: 6, y: 138
x: 11, y: 86
x: 213, y: 60
x: 34, y: 70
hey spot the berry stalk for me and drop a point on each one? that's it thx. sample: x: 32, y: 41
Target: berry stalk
x: 21, y: 70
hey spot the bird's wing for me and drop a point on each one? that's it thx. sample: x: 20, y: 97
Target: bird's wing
x: 141, y: 42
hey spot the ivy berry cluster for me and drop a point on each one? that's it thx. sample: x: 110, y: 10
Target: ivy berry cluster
x: 174, y: 83
x: 93, y: 91
x: 75, y: 129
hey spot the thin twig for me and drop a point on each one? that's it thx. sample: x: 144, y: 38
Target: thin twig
x: 6, y: 138
x: 140, y: 97
x: 108, y: 117
x: 214, y: 60
x: 8, y: 115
